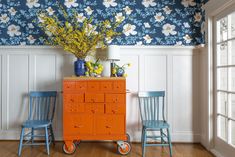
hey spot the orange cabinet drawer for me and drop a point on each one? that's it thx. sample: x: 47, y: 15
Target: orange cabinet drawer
x: 80, y: 108
x: 106, y: 86
x: 119, y: 86
x: 94, y: 108
x: 115, y: 108
x: 78, y: 124
x: 94, y: 97
x: 73, y: 98
x: 93, y: 86
x: 115, y: 98
x: 81, y: 86
x: 110, y: 124
x: 69, y: 85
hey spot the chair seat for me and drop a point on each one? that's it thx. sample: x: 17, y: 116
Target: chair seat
x: 36, y: 123
x: 154, y: 124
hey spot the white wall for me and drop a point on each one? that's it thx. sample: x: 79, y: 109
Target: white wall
x: 173, y: 69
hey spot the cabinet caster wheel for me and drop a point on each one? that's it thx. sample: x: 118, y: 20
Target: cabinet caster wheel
x: 128, y: 137
x: 69, y: 149
x: 124, y: 148
x: 77, y: 142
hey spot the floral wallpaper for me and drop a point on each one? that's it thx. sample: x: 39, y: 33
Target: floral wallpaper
x: 144, y: 22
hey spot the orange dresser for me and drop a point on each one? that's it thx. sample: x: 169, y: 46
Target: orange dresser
x: 93, y: 109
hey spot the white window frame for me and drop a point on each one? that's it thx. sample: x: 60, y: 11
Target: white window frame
x: 213, y: 8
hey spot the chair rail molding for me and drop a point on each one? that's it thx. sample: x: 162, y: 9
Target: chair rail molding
x: 170, y: 68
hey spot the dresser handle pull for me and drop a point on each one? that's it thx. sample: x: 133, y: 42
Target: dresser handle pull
x: 79, y: 126
x: 108, y: 127
x: 93, y: 111
x: 114, y: 111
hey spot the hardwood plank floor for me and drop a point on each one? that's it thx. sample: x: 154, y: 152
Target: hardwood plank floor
x: 102, y: 149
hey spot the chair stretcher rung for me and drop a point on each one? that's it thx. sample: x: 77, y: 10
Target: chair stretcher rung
x: 149, y: 145
x: 155, y: 136
x: 42, y: 135
x: 34, y: 144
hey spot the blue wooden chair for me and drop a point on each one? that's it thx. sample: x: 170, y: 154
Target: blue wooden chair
x: 41, y: 113
x: 151, y: 106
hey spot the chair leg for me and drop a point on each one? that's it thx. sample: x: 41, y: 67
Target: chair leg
x: 142, y: 135
x: 143, y: 142
x: 47, y: 140
x: 169, y: 141
x: 32, y: 135
x: 161, y: 131
x: 52, y: 134
x: 21, y: 141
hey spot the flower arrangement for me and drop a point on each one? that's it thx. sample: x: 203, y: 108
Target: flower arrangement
x: 94, y: 69
x: 75, y: 33
x: 119, y: 71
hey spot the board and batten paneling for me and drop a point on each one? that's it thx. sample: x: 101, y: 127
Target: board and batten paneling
x: 173, y: 69
x: 18, y: 85
x: 185, y: 91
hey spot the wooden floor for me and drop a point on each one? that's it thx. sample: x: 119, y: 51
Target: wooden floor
x: 102, y: 149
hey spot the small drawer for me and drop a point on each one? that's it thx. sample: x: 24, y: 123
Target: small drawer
x: 68, y: 85
x: 115, y: 98
x: 119, y: 86
x: 94, y: 108
x: 106, y: 86
x: 81, y: 85
x: 114, y: 108
x: 79, y: 108
x: 93, y: 86
x: 73, y: 98
x: 93, y: 97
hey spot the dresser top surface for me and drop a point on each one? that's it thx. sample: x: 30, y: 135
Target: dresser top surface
x: 94, y: 78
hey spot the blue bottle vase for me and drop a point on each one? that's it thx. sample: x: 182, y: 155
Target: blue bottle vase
x: 79, y: 67
x: 120, y: 72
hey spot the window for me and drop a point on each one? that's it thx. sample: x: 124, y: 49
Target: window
x: 225, y: 76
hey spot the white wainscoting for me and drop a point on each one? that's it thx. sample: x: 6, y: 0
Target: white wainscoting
x: 173, y: 69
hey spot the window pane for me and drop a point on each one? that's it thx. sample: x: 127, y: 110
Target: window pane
x: 222, y: 26
x: 233, y: 25
x: 222, y: 74
x: 222, y: 127
x: 232, y: 102
x: 233, y: 132
x: 222, y: 103
x: 222, y: 57
x: 231, y: 76
x: 232, y: 52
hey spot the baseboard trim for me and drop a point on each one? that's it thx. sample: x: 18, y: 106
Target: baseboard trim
x: 216, y: 153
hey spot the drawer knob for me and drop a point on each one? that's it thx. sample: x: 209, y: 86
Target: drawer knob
x: 114, y: 111
x: 78, y: 126
x: 108, y: 127
x: 93, y: 111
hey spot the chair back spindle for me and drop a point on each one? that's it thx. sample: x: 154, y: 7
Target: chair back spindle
x: 151, y: 105
x: 42, y: 105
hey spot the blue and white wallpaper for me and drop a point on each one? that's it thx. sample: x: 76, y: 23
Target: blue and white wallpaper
x: 145, y: 22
